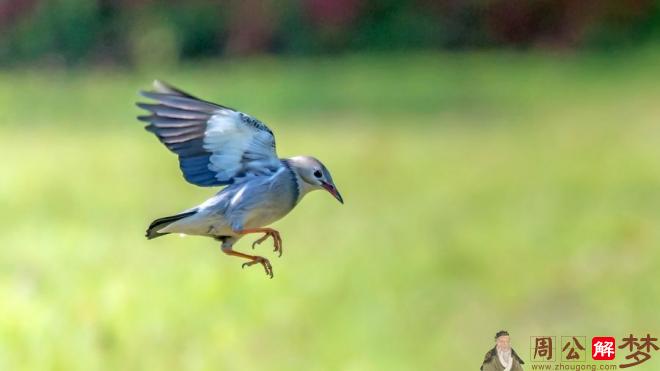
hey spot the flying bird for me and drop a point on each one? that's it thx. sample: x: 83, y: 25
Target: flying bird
x: 220, y: 146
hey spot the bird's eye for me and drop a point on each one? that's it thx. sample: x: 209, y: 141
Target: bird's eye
x: 317, y: 173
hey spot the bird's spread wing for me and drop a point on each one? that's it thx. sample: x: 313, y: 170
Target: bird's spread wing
x: 216, y: 145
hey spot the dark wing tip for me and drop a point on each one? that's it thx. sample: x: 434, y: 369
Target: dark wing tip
x: 143, y: 105
x: 153, y: 94
x: 145, y: 118
x: 165, y: 88
x: 170, y: 95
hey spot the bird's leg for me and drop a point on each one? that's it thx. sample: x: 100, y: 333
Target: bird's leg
x: 268, y: 232
x: 254, y: 259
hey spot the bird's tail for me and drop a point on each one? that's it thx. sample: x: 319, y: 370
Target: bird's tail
x: 158, y: 224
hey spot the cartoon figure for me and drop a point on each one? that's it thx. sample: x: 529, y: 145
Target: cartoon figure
x: 502, y: 357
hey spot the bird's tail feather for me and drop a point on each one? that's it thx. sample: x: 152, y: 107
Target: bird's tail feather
x: 158, y: 224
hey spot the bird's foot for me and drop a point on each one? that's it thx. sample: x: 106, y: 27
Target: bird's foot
x: 277, y: 240
x: 263, y: 261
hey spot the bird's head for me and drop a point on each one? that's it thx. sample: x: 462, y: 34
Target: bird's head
x: 314, y: 175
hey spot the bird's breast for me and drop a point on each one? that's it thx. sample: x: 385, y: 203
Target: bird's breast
x: 268, y: 212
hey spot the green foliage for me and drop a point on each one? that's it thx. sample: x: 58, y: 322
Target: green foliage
x: 483, y: 191
x: 65, y: 29
x: 147, y: 33
x: 618, y: 30
x: 199, y: 28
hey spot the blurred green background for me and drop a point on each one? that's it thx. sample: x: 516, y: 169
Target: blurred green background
x: 490, y: 182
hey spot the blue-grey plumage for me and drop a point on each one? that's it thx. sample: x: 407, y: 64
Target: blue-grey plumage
x: 254, y: 203
x: 217, y: 145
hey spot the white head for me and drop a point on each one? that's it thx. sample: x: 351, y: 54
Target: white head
x: 314, y: 175
x: 503, y: 341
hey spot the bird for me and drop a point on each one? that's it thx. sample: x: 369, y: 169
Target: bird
x: 220, y: 146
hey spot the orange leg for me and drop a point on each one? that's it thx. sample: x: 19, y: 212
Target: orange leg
x: 268, y: 232
x: 254, y: 259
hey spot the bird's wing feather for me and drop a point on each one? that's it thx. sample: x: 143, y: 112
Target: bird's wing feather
x: 216, y: 145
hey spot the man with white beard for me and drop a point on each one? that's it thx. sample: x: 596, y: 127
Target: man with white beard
x: 502, y: 357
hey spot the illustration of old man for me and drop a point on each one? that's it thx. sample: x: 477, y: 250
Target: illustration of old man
x: 502, y: 357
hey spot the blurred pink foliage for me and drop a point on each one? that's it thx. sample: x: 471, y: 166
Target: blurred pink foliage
x: 13, y: 10
x: 332, y: 13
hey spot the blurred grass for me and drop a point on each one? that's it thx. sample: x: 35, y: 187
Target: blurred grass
x: 483, y: 191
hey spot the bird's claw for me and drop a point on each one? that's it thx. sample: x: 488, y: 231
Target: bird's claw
x: 277, y: 241
x: 263, y: 261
